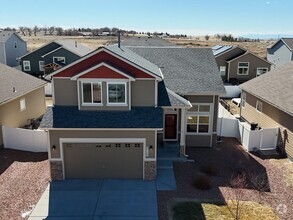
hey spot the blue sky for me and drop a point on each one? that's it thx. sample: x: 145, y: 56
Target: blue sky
x: 192, y: 17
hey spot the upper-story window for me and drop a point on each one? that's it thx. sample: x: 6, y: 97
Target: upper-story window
x: 261, y: 70
x: 59, y: 60
x: 223, y: 70
x: 26, y: 65
x: 92, y: 93
x: 198, y: 119
x: 116, y: 93
x: 243, y: 68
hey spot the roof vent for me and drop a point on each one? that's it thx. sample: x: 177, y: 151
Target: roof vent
x: 14, y: 90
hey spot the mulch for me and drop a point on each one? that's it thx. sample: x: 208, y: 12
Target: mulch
x: 23, y: 178
x: 229, y: 159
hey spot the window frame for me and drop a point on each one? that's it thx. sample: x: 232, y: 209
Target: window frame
x: 243, y: 99
x: 22, y: 104
x: 117, y: 103
x: 24, y: 65
x: 58, y: 58
x: 82, y: 94
x: 41, y: 66
x: 238, y: 67
x: 266, y: 68
x: 223, y: 73
x: 258, y: 106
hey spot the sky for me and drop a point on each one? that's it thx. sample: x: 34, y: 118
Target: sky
x: 191, y: 17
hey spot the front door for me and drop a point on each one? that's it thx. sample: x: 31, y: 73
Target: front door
x: 170, y: 127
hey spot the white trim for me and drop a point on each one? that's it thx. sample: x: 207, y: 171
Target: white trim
x: 156, y: 93
x: 243, y: 74
x: 260, y: 104
x: 129, y: 96
x: 228, y: 73
x: 111, y: 53
x: 58, y: 58
x: 49, y: 145
x: 29, y: 65
x: 52, y: 51
x: 53, y: 91
x: 223, y: 67
x: 118, y: 103
x: 183, y: 128
x: 41, y: 67
x: 99, y: 65
x: 78, y: 94
x: 22, y: 104
x: 212, y: 121
x: 170, y: 112
x: 5, y: 59
x: 92, y: 94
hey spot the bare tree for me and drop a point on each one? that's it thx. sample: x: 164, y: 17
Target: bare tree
x: 45, y: 29
x: 35, y: 30
x: 29, y: 30
x: 51, y: 30
x: 59, y: 31
x: 22, y: 29
x: 207, y: 37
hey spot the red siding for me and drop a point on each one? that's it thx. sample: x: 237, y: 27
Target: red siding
x: 103, y: 72
x: 102, y: 57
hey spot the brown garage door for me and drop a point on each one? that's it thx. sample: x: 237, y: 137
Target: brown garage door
x: 101, y: 160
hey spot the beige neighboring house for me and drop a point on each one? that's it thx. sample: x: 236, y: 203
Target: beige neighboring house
x: 268, y: 101
x: 22, y: 97
x: 237, y: 65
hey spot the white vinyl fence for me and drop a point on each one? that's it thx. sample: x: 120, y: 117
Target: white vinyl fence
x: 230, y: 126
x: 26, y: 140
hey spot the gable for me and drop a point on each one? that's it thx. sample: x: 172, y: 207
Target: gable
x: 249, y: 57
x: 103, y: 72
x: 100, y: 57
x: 41, y: 51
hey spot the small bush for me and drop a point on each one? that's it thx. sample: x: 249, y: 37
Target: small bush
x: 209, y: 170
x: 202, y: 182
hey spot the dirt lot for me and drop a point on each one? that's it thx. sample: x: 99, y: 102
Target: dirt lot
x: 229, y: 158
x: 23, y: 178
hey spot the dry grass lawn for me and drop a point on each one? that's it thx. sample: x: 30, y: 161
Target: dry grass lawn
x: 287, y: 166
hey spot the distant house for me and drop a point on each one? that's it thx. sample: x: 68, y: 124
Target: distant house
x: 281, y: 52
x: 12, y: 46
x: 268, y: 101
x: 52, y: 56
x: 22, y: 97
x: 238, y: 65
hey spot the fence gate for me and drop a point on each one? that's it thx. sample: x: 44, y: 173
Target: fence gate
x: 269, y: 138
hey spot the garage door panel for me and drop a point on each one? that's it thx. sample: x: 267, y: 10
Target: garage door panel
x: 100, y: 160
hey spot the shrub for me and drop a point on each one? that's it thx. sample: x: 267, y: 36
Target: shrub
x: 209, y: 170
x: 202, y: 182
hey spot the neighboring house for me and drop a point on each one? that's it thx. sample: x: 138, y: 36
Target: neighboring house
x: 52, y: 56
x: 238, y: 65
x: 268, y: 101
x: 11, y: 47
x: 22, y: 97
x: 112, y: 107
x: 281, y: 52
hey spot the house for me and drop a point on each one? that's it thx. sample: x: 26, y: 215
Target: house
x: 22, y: 97
x: 280, y: 52
x: 113, y: 108
x: 238, y: 65
x: 268, y: 101
x: 52, y: 56
x: 12, y: 46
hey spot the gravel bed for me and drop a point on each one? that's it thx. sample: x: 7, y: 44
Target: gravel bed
x: 229, y: 157
x: 23, y: 178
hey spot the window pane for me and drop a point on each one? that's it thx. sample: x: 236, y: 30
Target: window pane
x: 191, y: 119
x: 243, y: 64
x: 203, y: 128
x: 194, y: 108
x: 96, y: 93
x: 204, y: 119
x: 116, y: 93
x: 192, y: 128
x: 87, y: 92
x: 204, y: 108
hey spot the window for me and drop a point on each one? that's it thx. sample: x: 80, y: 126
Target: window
x: 118, y: 145
x: 223, y: 70
x: 243, y: 100
x: 15, y: 45
x: 243, y: 68
x: 116, y: 93
x: 258, y: 106
x: 59, y: 60
x: 26, y: 65
x: 136, y: 145
x: 261, y: 70
x: 127, y: 145
x: 92, y: 93
x: 22, y: 104
x: 41, y: 66
x: 198, y: 123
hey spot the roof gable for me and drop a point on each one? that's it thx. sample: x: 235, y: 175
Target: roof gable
x: 229, y: 49
x: 5, y: 35
x: 248, y: 53
x: 99, y: 56
x: 288, y: 42
x: 52, y: 43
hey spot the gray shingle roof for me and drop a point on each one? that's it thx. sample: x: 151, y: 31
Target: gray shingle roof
x: 71, y: 117
x: 135, y: 58
x: 289, y: 42
x: 186, y: 70
x: 74, y: 47
x: 147, y: 42
x: 274, y: 87
x: 22, y: 82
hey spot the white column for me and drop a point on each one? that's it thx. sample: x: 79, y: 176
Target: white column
x: 183, y: 127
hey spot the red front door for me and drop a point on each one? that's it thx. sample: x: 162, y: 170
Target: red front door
x: 170, y: 126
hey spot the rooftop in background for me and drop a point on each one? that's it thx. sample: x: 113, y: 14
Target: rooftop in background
x: 74, y: 47
x: 274, y: 87
x: 218, y: 49
x: 147, y: 42
x: 15, y: 83
x: 5, y: 35
x: 186, y: 71
x: 287, y: 41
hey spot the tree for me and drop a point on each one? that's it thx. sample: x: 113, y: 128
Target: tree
x: 45, y: 29
x: 35, y: 30
x: 51, y: 30
x: 29, y: 30
x: 59, y: 31
x: 207, y: 37
x: 22, y: 29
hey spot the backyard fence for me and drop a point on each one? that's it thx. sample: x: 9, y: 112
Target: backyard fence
x: 230, y: 126
x: 24, y: 139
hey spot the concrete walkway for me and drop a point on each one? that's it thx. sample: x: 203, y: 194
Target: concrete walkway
x: 98, y: 199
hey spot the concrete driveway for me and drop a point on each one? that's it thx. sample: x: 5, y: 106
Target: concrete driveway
x: 98, y: 199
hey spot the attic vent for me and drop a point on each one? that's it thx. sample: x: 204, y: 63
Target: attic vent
x: 14, y: 90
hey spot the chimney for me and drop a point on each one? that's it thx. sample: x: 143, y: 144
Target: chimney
x: 75, y: 43
x: 119, y: 39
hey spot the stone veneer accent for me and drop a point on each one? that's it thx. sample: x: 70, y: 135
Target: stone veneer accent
x: 182, y: 150
x: 150, y: 170
x: 56, y: 170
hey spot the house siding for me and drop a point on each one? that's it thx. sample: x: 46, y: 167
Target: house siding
x: 13, y: 53
x: 1, y: 138
x: 65, y: 92
x: 11, y: 116
x: 143, y: 93
x: 279, y: 54
x: 271, y: 117
x: 2, y: 53
x: 254, y: 63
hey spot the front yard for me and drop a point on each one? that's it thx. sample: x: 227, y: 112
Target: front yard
x: 23, y: 179
x: 217, y: 166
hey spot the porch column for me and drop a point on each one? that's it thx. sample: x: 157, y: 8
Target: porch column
x: 182, y: 131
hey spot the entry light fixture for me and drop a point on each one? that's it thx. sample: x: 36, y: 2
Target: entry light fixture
x: 53, y: 147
